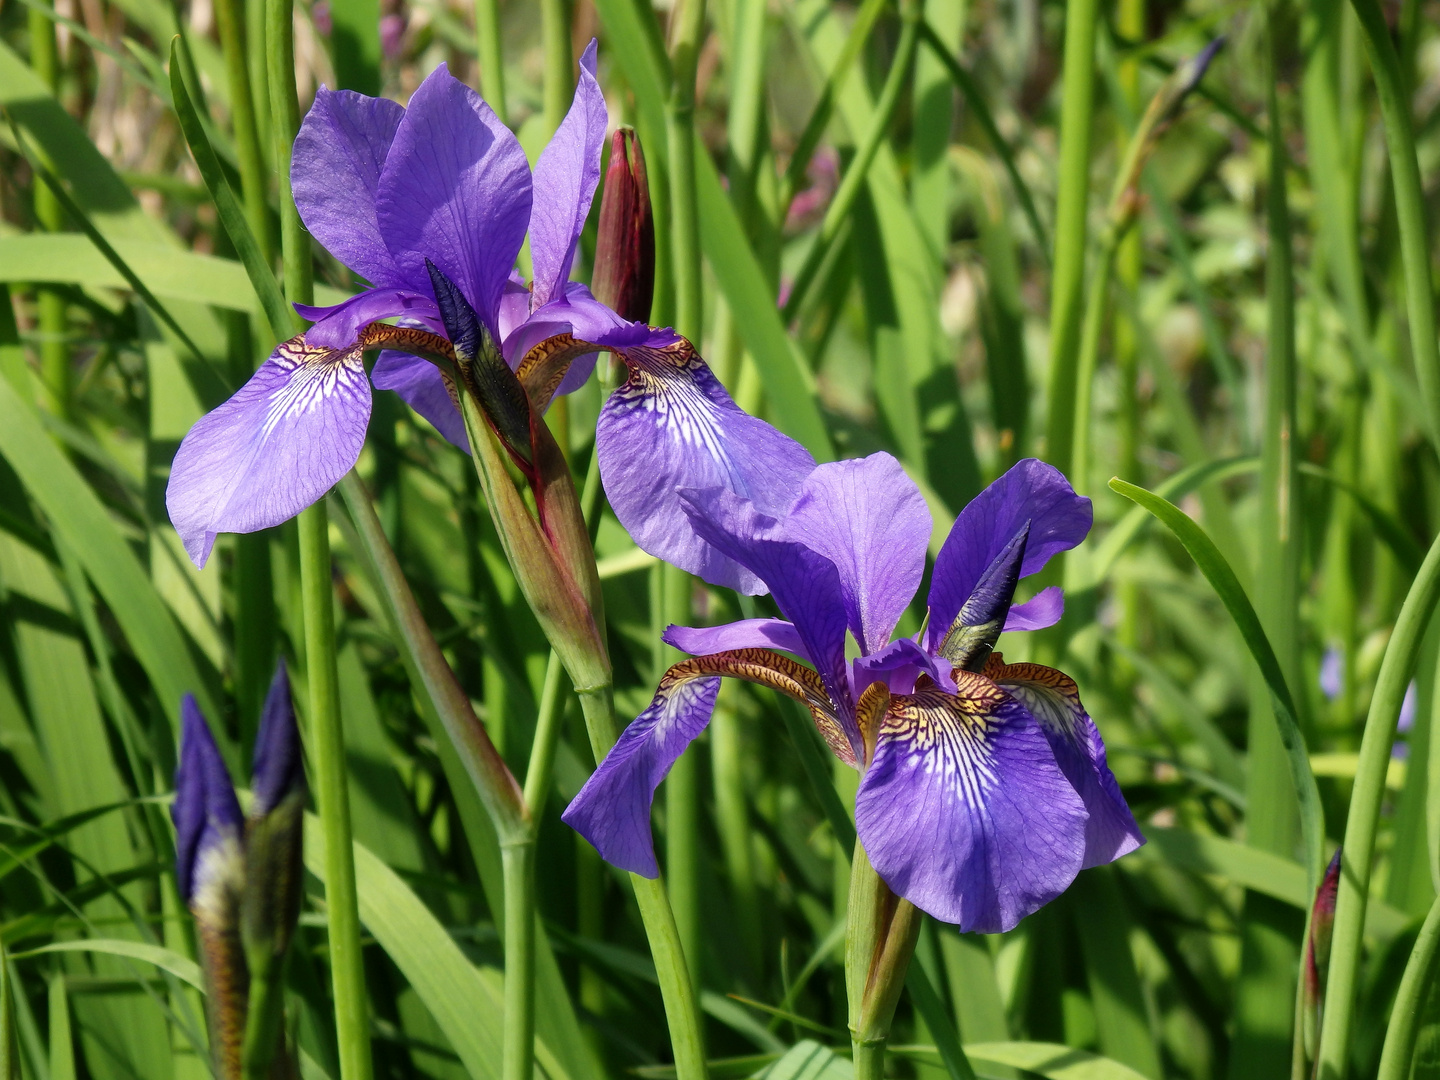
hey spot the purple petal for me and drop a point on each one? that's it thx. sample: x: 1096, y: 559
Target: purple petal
x: 612, y: 810
x: 1332, y: 672
x: 279, y: 763
x: 282, y: 441
x: 205, y: 811
x: 963, y: 810
x: 745, y: 634
x: 455, y: 189
x: 673, y: 426
x: 1041, y: 610
x: 422, y: 387
x: 565, y: 179
x: 514, y: 305
x: 1031, y: 491
x: 898, y: 665
x: 805, y: 584
x: 870, y: 520
x: 1054, y: 700
x: 337, y: 327
x: 334, y: 173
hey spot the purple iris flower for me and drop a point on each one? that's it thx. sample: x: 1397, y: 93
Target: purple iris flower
x: 394, y: 191
x: 984, y: 786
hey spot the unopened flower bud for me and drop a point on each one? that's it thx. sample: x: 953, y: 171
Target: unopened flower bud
x: 624, y: 278
x: 274, y: 829
x: 1317, y: 952
x: 210, y: 871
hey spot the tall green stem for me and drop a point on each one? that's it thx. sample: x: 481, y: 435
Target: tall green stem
x: 1067, y: 285
x: 1395, y: 111
x: 285, y: 123
x: 682, y: 799
x: 1417, y: 983
x: 559, y: 63
x: 1364, y: 816
x: 491, y: 56
x: 1094, y: 324
x: 230, y: 20
x: 689, y: 23
x: 50, y: 302
x: 880, y: 935
x: 327, y: 744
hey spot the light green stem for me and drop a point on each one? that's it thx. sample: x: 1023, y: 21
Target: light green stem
x: 230, y: 20
x: 50, y: 303
x: 559, y: 63
x: 1395, y: 110
x: 327, y: 746
x: 518, y: 866
x: 1094, y: 324
x: 880, y: 935
x: 491, y: 56
x: 1416, y: 984
x: 1067, y: 285
x: 682, y: 797
x: 689, y: 21
x: 285, y: 123
x: 687, y: 1044
x: 264, y: 1020
x: 1364, y: 816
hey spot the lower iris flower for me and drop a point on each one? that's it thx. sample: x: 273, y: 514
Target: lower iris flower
x: 440, y: 191
x: 984, y: 787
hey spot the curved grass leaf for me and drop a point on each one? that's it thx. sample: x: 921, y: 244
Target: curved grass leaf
x: 1386, y: 526
x: 282, y: 320
x: 1053, y: 1061
x: 1222, y: 578
x: 937, y: 1019
x: 183, y: 968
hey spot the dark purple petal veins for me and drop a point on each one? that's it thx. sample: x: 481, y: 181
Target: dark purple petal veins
x: 1053, y: 699
x: 963, y: 810
x: 869, y: 519
x: 612, y: 810
x: 1030, y: 491
x: 672, y: 426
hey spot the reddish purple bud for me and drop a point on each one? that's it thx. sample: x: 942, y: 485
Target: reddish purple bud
x: 1317, y: 951
x: 624, y: 278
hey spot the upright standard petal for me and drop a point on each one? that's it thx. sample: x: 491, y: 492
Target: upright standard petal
x: 1053, y: 699
x: 456, y: 190
x: 612, y: 810
x: 1031, y: 491
x: 804, y: 583
x: 565, y: 180
x: 1043, y: 609
x: 673, y: 426
x: 335, y: 172
x: 421, y: 386
x: 870, y: 520
x: 278, y: 445
x: 963, y: 810
x: 206, y: 813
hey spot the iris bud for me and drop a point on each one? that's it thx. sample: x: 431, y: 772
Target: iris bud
x: 210, y: 871
x: 624, y: 277
x: 1317, y: 952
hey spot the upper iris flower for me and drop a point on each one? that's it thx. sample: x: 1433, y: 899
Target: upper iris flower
x: 984, y: 786
x: 399, y: 195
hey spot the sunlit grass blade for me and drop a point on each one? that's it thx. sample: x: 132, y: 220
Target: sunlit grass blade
x: 942, y: 1028
x: 1410, y: 1001
x: 1222, y: 578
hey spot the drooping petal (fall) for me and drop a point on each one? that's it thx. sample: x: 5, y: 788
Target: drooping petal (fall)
x: 745, y: 634
x: 421, y: 386
x: 455, y: 190
x: 565, y: 180
x: 334, y: 173
x: 1030, y: 491
x: 278, y: 445
x: 672, y: 426
x: 963, y: 810
x: 1043, y: 609
x: 612, y: 810
x: 206, y: 813
x: 869, y: 519
x: 1053, y: 699
x: 805, y: 584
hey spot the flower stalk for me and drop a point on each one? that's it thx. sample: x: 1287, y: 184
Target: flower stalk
x: 880, y: 939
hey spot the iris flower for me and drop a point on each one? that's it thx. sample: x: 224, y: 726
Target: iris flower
x: 443, y: 186
x: 984, y: 788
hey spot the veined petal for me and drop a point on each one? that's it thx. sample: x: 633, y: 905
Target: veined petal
x: 456, y: 190
x: 745, y: 634
x: 1054, y: 700
x: 334, y: 173
x: 421, y: 385
x: 282, y: 441
x: 963, y: 810
x: 804, y: 583
x: 898, y: 665
x: 1043, y: 609
x: 337, y: 327
x: 673, y: 426
x: 612, y: 810
x: 565, y: 179
x: 870, y: 520
x: 1031, y: 491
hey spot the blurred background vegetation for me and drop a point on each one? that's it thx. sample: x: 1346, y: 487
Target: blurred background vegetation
x: 922, y: 326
